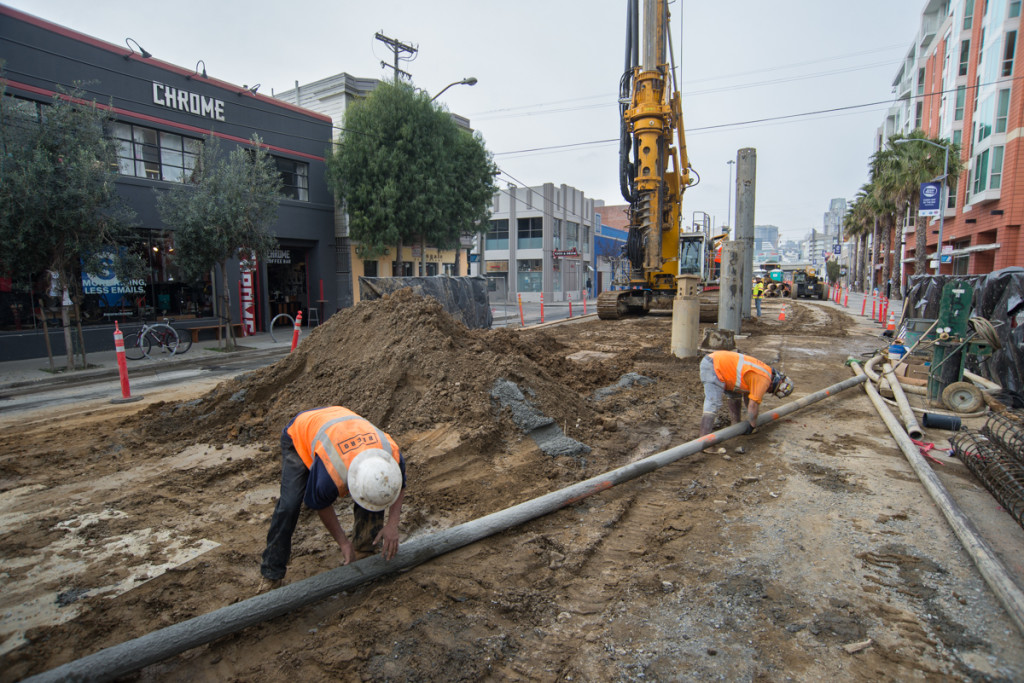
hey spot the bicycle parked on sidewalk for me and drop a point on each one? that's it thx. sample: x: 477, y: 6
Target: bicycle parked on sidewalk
x: 159, y: 339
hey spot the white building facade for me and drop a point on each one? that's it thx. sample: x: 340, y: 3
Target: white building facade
x: 541, y: 242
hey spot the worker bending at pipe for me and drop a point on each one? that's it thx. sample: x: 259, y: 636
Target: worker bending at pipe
x: 327, y: 453
x: 736, y: 374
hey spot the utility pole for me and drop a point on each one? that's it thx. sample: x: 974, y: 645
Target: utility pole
x: 398, y: 48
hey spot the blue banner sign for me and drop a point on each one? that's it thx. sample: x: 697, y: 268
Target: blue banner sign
x: 931, y: 194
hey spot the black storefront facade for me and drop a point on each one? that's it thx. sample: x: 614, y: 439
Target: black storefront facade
x: 163, y: 112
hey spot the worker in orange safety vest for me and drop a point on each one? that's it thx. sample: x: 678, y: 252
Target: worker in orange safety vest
x: 738, y: 374
x: 327, y: 453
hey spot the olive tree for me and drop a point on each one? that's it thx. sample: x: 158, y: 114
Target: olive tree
x: 59, y: 207
x: 225, y: 211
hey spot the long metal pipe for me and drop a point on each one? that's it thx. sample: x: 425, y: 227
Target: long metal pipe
x: 153, y: 647
x: 906, y: 413
x: 985, y: 559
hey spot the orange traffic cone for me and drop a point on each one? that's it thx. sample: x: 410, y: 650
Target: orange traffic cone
x: 891, y: 325
x: 782, y: 313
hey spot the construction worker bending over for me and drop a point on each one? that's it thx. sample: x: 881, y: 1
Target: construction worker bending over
x: 737, y: 374
x: 327, y: 453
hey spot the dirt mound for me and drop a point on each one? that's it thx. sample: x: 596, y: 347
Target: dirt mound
x: 800, y: 319
x: 401, y: 362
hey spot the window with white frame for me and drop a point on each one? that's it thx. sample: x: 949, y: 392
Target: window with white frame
x: 995, y: 180
x: 968, y: 15
x: 981, y: 172
x: 1002, y: 110
x: 961, y: 96
x: 1009, y: 49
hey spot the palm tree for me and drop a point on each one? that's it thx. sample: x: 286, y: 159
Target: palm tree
x: 902, y: 167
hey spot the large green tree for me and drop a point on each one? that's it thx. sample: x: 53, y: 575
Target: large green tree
x: 59, y: 207
x: 405, y: 172
x: 225, y: 211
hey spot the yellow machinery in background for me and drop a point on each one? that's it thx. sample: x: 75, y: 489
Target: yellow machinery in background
x: 654, y: 172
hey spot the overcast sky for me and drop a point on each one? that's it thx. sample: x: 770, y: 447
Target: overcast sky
x: 548, y: 75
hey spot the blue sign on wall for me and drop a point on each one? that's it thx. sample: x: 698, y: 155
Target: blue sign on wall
x: 931, y: 195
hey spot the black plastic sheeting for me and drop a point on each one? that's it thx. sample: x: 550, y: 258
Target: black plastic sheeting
x: 464, y: 298
x: 999, y: 298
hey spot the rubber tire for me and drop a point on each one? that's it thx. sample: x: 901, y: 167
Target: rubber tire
x: 963, y: 397
x: 156, y: 335
x: 133, y: 350
x: 184, y: 342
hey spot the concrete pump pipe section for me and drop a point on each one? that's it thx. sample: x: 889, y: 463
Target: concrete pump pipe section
x: 159, y: 645
x: 984, y: 557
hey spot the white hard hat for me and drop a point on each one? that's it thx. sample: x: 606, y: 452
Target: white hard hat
x: 374, y: 479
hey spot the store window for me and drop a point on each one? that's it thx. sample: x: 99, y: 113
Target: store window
x: 530, y: 275
x: 294, y: 178
x: 530, y: 233
x: 287, y: 283
x: 497, y: 234
x: 157, y: 155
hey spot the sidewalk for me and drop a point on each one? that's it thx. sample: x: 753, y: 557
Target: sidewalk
x: 35, y: 372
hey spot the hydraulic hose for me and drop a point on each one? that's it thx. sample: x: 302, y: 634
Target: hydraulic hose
x: 156, y: 646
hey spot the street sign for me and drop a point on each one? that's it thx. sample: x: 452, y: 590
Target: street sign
x: 837, y: 249
x: 931, y: 194
x: 947, y: 258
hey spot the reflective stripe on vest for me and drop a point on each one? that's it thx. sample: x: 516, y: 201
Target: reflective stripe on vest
x: 336, y: 466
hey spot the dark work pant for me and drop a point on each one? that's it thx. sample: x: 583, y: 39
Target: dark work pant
x: 294, y: 475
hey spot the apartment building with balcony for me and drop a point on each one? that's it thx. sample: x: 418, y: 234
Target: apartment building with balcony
x: 958, y: 81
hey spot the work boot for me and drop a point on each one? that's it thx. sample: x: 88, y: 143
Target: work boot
x: 268, y: 585
x: 707, y: 424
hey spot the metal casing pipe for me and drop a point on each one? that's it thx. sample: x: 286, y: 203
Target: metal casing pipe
x: 156, y: 646
x: 906, y: 413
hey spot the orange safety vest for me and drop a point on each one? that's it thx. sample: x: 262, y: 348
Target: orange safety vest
x: 742, y: 373
x: 336, y: 436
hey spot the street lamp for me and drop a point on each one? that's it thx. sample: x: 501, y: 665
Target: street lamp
x: 465, y: 81
x: 942, y: 197
x: 728, y: 196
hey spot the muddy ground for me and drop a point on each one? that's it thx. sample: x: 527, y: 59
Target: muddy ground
x: 758, y: 564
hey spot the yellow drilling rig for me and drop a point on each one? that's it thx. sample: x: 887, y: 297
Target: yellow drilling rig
x: 654, y: 171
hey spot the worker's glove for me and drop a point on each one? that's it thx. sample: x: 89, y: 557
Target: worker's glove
x: 748, y: 428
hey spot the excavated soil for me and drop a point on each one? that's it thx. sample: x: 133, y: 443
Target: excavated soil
x: 760, y: 563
